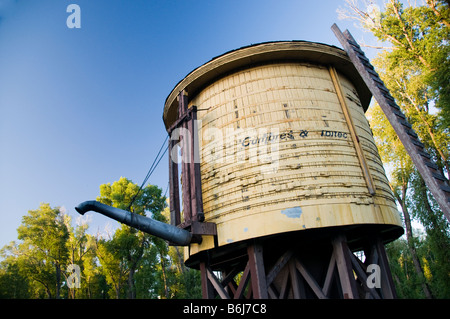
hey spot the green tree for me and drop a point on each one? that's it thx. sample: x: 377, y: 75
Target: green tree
x: 112, y: 266
x: 121, y: 257
x: 417, y: 35
x: 139, y: 265
x: 128, y: 264
x: 415, y: 68
x: 401, y: 169
x: 13, y: 284
x: 43, y: 254
x: 185, y: 282
x: 81, y: 252
x: 93, y: 281
x: 36, y: 265
x: 436, y: 245
x: 148, y: 277
x: 409, y: 284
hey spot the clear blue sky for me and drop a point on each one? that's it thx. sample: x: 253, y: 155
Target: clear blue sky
x: 83, y: 107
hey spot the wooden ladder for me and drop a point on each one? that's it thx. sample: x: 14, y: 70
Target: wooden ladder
x: 433, y: 177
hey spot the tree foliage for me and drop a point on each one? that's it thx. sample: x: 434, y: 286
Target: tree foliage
x: 128, y: 264
x: 415, y: 68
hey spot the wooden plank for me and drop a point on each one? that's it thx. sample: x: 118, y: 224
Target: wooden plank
x: 344, y: 266
x: 387, y: 283
x: 371, y: 255
x: 279, y: 264
x: 360, y: 272
x: 178, y: 122
x: 284, y: 283
x: 310, y: 280
x: 410, y: 143
x: 348, y: 118
x: 190, y: 165
x: 195, y: 177
x: 185, y: 168
x: 182, y: 103
x: 191, y: 179
x: 243, y: 283
x: 174, y: 192
x: 257, y: 272
x: 199, y: 228
x: 330, y: 275
x: 295, y: 281
x: 186, y: 190
x: 231, y: 288
x: 228, y: 279
x: 272, y: 291
x: 249, y: 292
x: 207, y: 288
x: 216, y: 284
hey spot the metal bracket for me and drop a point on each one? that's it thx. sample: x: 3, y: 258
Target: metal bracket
x: 198, y: 229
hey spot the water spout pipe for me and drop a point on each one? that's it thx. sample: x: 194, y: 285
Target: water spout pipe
x: 175, y: 235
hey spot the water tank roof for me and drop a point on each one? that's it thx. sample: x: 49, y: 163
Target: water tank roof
x: 263, y: 53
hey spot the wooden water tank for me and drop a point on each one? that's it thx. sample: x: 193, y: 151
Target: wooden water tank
x: 279, y: 145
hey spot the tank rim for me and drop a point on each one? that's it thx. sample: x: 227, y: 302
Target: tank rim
x: 264, y: 53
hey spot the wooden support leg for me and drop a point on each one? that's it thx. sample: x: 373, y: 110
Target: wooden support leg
x: 387, y: 283
x: 194, y: 169
x: 244, y: 280
x: 257, y: 272
x: 175, y: 215
x: 344, y: 266
x: 185, y: 154
x: 207, y: 287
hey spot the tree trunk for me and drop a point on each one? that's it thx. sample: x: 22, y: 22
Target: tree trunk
x: 58, y: 280
x: 163, y: 268
x: 411, y: 246
x: 181, y: 265
x: 131, y: 284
